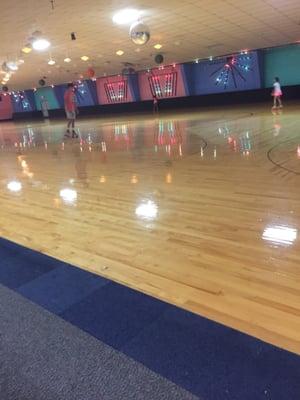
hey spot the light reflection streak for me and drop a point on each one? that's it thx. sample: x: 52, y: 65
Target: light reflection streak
x: 280, y: 234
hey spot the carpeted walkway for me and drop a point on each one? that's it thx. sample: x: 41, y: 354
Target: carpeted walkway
x: 45, y: 357
x: 68, y: 334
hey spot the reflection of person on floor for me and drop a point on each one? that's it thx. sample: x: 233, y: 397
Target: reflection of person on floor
x: 81, y: 161
x: 276, y: 122
x: 81, y: 170
x: 277, y: 93
x: 44, y: 107
x: 71, y: 110
x: 155, y: 104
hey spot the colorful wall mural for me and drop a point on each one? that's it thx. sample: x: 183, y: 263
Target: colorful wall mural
x: 239, y: 72
x: 164, y: 82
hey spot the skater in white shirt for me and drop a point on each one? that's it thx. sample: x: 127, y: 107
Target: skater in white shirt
x: 277, y: 93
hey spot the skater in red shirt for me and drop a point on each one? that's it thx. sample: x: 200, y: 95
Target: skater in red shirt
x: 71, y: 110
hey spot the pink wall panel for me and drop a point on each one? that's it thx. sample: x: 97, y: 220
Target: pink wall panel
x: 165, y: 81
x: 113, y: 90
x: 6, y: 110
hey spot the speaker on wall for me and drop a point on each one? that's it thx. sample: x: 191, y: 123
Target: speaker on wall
x: 159, y: 58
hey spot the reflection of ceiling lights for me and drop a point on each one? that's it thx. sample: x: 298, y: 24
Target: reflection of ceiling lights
x: 157, y: 46
x: 14, y: 186
x: 69, y: 196
x: 40, y: 44
x: 67, y: 60
x: 126, y: 16
x: 148, y: 210
x: 51, y: 62
x: 27, y: 49
x: 85, y: 58
x: 119, y: 52
x: 280, y: 234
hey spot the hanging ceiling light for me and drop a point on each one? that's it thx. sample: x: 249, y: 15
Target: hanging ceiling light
x: 40, y: 44
x: 67, y: 60
x: 12, y: 65
x: 9, y: 66
x: 51, y: 62
x: 85, y: 58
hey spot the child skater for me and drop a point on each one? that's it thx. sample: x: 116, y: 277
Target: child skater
x: 277, y: 93
x: 155, y: 104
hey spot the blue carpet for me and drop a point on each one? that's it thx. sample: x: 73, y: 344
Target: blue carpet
x: 207, y: 359
x: 115, y: 314
x: 213, y: 361
x: 20, y: 265
x: 61, y: 288
x: 44, y: 357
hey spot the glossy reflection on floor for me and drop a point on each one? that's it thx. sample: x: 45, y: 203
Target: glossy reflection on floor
x: 200, y: 209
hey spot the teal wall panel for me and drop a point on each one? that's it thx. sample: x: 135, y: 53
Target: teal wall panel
x: 49, y: 94
x: 283, y: 62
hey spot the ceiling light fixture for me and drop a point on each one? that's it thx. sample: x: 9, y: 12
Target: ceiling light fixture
x: 119, y: 52
x: 27, y: 49
x: 67, y: 60
x: 85, y: 58
x: 12, y: 66
x: 51, y: 62
x: 126, y: 16
x: 157, y: 46
x: 40, y: 44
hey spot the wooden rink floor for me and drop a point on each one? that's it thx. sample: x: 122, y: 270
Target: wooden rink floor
x: 200, y: 209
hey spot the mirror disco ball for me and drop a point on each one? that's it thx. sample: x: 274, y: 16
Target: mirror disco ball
x: 139, y: 33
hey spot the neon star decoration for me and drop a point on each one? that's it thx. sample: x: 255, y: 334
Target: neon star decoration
x: 234, y: 67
